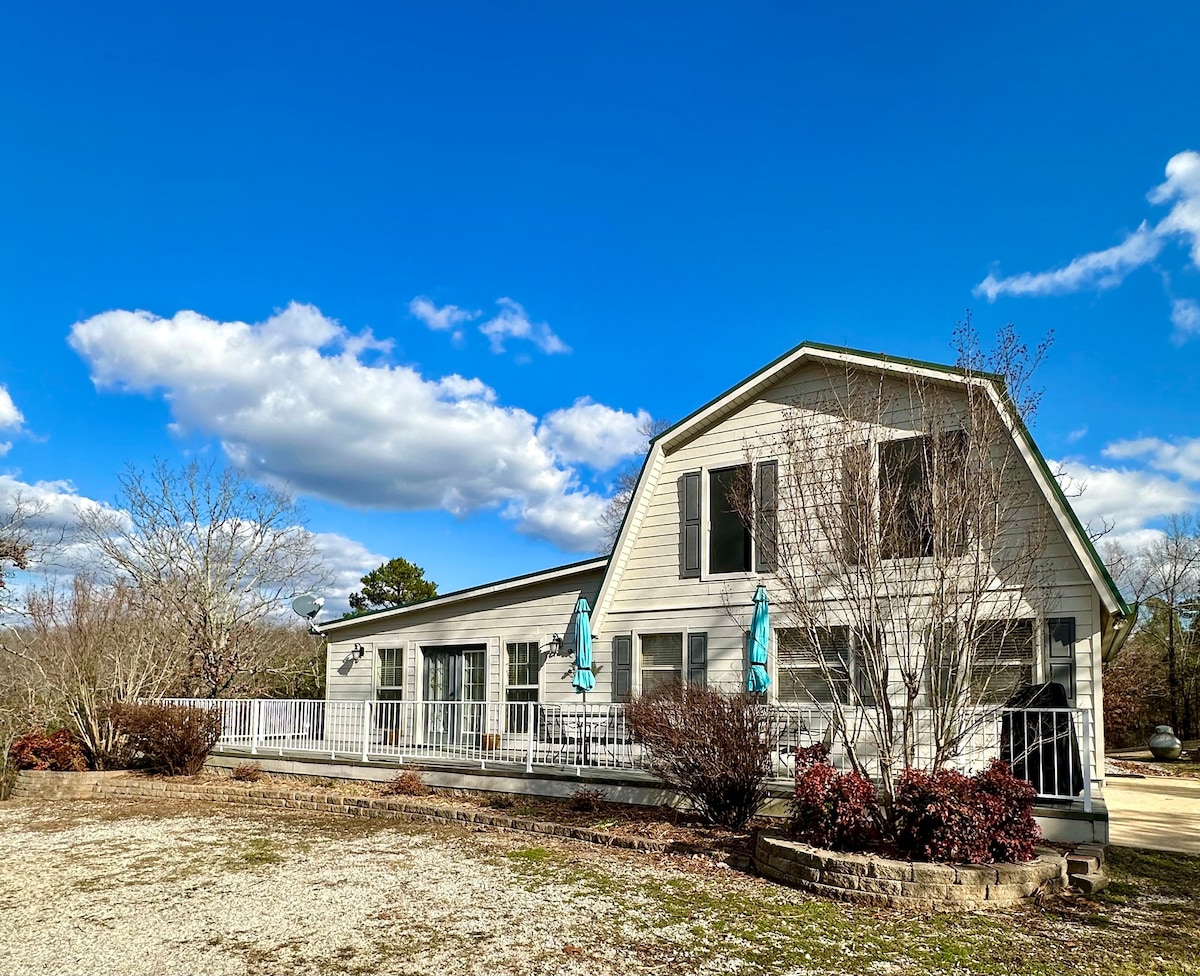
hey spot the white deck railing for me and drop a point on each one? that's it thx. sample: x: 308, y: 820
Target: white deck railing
x: 1051, y: 747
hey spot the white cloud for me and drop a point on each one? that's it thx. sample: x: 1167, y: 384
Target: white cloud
x: 1125, y: 498
x: 348, y: 561
x: 513, y: 322
x: 48, y: 513
x: 443, y: 319
x: 1180, y: 456
x: 1100, y: 269
x: 292, y: 403
x: 593, y: 434
x: 1077, y: 434
x: 1185, y: 316
x: 10, y: 417
x: 1109, y: 267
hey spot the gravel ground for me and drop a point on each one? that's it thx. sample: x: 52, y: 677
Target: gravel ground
x: 159, y: 888
x: 140, y: 888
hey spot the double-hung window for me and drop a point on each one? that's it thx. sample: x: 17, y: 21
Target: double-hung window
x: 922, y: 495
x: 664, y: 664
x: 816, y: 668
x: 390, y: 683
x: 522, y: 684
x: 1002, y: 660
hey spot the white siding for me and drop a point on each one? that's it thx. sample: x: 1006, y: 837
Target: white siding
x: 532, y: 612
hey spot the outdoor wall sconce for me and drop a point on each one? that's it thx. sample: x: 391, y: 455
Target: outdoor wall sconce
x: 556, y: 645
x: 358, y: 653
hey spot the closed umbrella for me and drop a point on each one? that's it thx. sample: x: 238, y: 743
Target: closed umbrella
x: 758, y: 680
x: 584, y: 681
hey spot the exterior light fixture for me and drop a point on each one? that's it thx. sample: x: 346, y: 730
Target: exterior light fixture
x: 358, y: 653
x: 556, y: 643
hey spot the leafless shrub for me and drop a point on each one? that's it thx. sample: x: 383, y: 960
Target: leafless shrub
x: 250, y: 772
x: 405, y: 783
x: 708, y: 745
x: 587, y: 801
x: 169, y: 739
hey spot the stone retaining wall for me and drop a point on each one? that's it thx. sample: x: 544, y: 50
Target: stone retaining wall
x: 45, y: 784
x: 882, y: 882
x: 389, y: 808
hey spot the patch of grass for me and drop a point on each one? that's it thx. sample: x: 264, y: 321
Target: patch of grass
x: 255, y: 852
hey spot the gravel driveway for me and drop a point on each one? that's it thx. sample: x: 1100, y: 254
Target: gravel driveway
x: 151, y: 888
x: 156, y: 888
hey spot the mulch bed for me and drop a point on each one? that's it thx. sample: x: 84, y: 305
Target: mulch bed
x: 683, y: 830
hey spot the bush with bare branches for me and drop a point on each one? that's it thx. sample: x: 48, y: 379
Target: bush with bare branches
x: 170, y: 739
x: 708, y: 745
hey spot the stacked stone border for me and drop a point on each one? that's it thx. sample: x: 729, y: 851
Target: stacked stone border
x: 131, y: 787
x: 882, y: 882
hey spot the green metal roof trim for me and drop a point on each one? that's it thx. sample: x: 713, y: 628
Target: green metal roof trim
x: 950, y: 371
x: 360, y: 617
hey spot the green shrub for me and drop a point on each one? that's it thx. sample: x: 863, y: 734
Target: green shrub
x: 710, y: 746
x: 59, y: 751
x: 173, y: 740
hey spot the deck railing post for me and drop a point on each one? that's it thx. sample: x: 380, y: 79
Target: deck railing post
x: 530, y: 716
x: 255, y: 715
x: 1086, y: 761
x: 366, y: 730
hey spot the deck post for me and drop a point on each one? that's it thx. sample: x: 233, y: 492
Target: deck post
x: 1087, y: 761
x: 366, y: 730
x: 255, y: 715
x: 530, y: 715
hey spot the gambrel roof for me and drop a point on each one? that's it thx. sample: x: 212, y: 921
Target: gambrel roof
x: 808, y: 353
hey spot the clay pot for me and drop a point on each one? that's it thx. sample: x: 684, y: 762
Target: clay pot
x: 1165, y: 744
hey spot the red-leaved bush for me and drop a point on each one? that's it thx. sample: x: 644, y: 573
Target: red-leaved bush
x: 832, y: 809
x: 48, y: 750
x: 946, y: 816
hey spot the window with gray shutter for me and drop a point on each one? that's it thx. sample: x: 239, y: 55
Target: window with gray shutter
x: 697, y: 663
x: 689, y: 525
x: 622, y: 648
x: 764, y: 536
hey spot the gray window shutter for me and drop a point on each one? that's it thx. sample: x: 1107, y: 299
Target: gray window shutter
x: 697, y: 662
x: 622, y: 648
x: 764, y: 536
x: 689, y: 554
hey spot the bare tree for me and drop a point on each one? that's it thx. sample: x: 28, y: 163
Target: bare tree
x: 81, y: 650
x: 908, y: 542
x: 613, y: 515
x: 213, y: 553
x: 16, y: 541
x: 1164, y: 578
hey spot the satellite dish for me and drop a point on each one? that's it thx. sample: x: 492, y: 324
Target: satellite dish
x: 308, y: 606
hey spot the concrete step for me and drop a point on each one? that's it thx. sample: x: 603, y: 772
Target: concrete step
x: 1089, y: 884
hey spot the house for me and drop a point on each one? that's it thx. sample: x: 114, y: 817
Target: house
x: 818, y: 478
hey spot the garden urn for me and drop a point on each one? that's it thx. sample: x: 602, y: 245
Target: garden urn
x: 1165, y: 744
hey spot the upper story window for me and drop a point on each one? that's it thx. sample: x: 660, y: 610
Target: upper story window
x: 729, y: 505
x: 735, y: 498
x: 915, y: 500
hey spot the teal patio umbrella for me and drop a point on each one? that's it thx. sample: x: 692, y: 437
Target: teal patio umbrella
x: 758, y: 680
x: 584, y: 681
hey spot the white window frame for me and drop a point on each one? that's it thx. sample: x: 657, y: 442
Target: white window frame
x: 399, y: 670
x: 706, y: 473
x: 639, y: 666
x: 856, y: 676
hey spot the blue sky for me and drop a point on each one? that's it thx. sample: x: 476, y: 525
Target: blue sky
x: 431, y: 265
